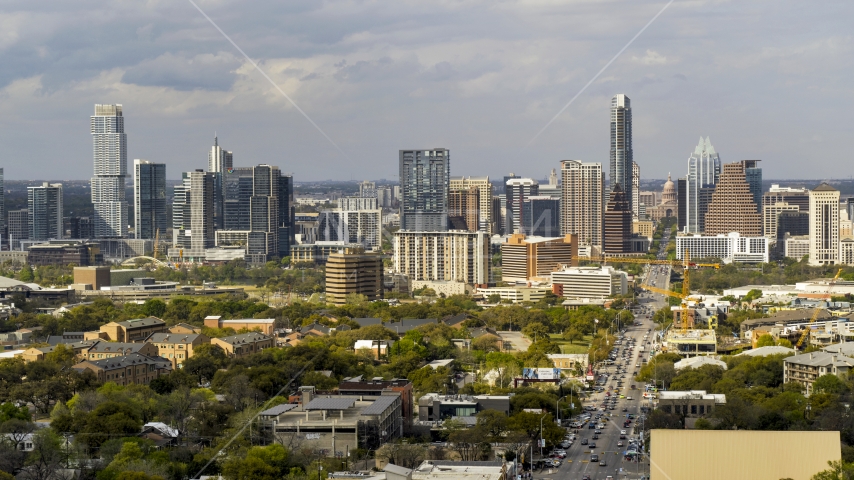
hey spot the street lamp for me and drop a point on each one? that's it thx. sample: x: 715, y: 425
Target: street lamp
x: 541, y: 434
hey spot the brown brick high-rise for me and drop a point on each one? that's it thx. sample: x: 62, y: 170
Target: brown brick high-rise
x: 732, y: 208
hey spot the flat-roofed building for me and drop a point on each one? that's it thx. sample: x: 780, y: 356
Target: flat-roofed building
x: 516, y: 294
x: 644, y: 228
x: 263, y: 325
x: 796, y: 247
x: 589, y: 282
x: 377, y: 387
x: 691, y: 343
x: 749, y: 455
x: 690, y: 404
x: 730, y: 248
x: 333, y: 422
x: 569, y: 361
x: 457, y: 470
x: 244, y: 344
x: 453, y: 255
x: 352, y: 271
x: 434, y: 406
x: 535, y: 258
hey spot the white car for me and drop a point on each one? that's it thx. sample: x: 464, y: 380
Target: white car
x: 622, y: 432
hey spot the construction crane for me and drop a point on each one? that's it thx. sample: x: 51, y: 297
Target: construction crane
x: 157, y: 244
x: 818, y: 309
x: 686, y: 265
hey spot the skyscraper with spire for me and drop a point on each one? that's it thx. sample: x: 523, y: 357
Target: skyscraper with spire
x: 109, y: 145
x: 704, y: 170
x: 621, y: 146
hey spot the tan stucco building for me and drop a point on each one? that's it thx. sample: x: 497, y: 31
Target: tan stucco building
x: 135, y: 330
x: 263, y: 325
x: 176, y: 347
x: 741, y: 454
x: 244, y: 344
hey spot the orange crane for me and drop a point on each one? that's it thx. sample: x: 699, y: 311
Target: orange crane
x: 818, y: 309
x: 686, y: 265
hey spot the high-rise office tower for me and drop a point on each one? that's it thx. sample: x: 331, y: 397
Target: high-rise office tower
x: 108, y: 185
x: 44, y: 211
x: 541, y: 214
x: 849, y: 206
x: 424, y: 183
x: 368, y: 189
x: 19, y: 227
x: 464, y: 209
x: 618, y: 223
x: 516, y: 191
x: 635, y: 190
x: 149, y: 198
x: 733, y: 208
x: 621, y: 146
x: 485, y: 195
x: 220, y: 162
x: 824, y: 225
x: 704, y: 170
x: 581, y: 204
x: 753, y: 174
x: 260, y: 200
x: 193, y: 214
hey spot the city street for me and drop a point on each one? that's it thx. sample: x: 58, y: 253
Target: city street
x: 577, y: 464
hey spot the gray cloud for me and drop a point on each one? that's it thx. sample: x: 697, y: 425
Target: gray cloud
x: 764, y: 79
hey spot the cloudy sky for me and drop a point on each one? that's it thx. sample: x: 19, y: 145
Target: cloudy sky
x: 766, y: 79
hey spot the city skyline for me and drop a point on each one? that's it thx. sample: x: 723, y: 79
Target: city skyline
x: 497, y: 86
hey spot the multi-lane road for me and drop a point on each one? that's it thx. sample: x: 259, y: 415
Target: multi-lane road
x: 578, y: 462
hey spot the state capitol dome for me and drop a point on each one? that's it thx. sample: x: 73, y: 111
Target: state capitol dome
x: 669, y: 192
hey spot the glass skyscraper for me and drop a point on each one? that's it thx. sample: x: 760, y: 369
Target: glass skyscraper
x: 424, y: 185
x: 621, y: 146
x: 704, y: 170
x: 109, y: 144
x: 149, y: 199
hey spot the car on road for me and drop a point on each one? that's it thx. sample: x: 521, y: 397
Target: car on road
x: 602, y: 463
x: 595, y: 437
x: 622, y: 432
x: 620, y: 443
x: 592, y: 445
x: 584, y: 441
x: 594, y: 458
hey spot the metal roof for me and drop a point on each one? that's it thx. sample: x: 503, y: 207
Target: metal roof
x: 380, y: 405
x: 330, y: 404
x: 279, y: 409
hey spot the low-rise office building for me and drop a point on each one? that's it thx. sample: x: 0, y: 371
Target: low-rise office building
x: 377, y: 387
x: 332, y: 423
x: 127, y: 370
x: 434, y: 407
x: 515, y: 294
x: 535, y: 258
x: 244, y: 344
x: 691, y: 404
x: 730, y: 248
x: 176, y: 348
x: 589, y: 282
x: 352, y: 271
x: 135, y: 330
x: 263, y: 325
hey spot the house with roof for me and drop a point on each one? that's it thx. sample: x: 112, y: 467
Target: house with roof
x: 376, y: 349
x: 176, y: 347
x: 161, y: 434
x: 244, y: 344
x: 127, y: 370
x: 366, y: 322
x: 135, y: 330
x: 456, y: 321
x: 101, y: 350
x: 66, y: 337
x: 408, y: 324
x: 184, y: 328
x: 315, y: 329
x: 38, y: 354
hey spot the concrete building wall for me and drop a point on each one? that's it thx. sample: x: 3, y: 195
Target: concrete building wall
x: 740, y: 455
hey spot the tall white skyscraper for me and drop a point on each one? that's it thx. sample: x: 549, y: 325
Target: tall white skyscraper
x: 220, y: 163
x: 621, y: 146
x: 2, y: 201
x: 704, y: 170
x: 824, y: 225
x: 109, y: 144
x: 581, y: 208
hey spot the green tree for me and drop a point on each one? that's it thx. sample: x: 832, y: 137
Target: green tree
x: 765, y: 340
x: 26, y: 274
x: 258, y: 463
x: 829, y: 383
x: 493, y: 423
